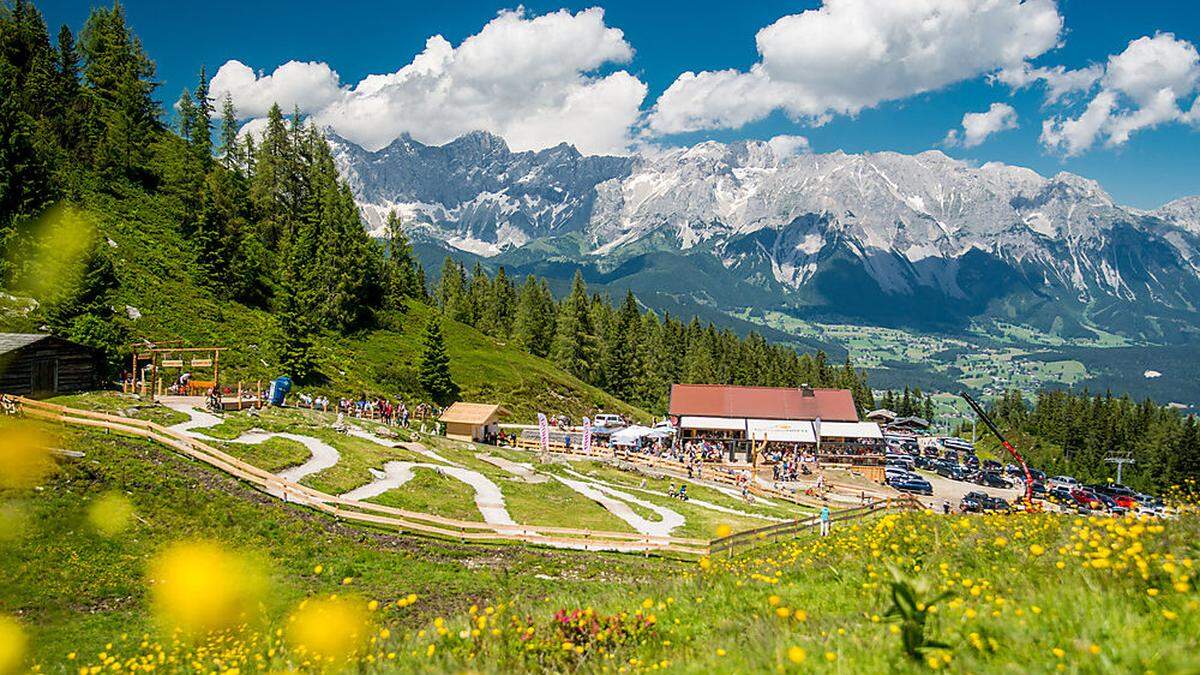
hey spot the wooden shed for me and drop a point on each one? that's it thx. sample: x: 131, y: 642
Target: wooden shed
x: 472, y: 421
x: 40, y: 365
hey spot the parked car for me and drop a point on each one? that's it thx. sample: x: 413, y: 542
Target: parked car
x: 960, y: 473
x: 991, y: 479
x: 991, y: 465
x: 1126, y: 502
x: 1114, y: 490
x: 608, y: 421
x: 912, y: 483
x: 1060, y: 494
x: 1064, y: 482
x: 973, y: 502
x: 1086, y: 499
x: 998, y: 504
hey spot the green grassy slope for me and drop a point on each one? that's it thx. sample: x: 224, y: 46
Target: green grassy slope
x: 156, y: 280
x: 75, y: 590
x: 801, y: 605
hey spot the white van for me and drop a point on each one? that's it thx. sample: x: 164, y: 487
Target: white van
x: 1064, y: 482
x: 608, y: 421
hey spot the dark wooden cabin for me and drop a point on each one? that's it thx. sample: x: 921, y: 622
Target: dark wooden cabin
x: 40, y: 365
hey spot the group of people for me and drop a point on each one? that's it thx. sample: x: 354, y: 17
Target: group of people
x: 704, y: 449
x: 788, y: 466
x: 385, y: 411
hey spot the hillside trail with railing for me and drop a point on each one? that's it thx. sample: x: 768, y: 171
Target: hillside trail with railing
x: 405, y: 521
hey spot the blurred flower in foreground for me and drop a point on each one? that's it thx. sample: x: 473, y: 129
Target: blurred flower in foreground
x: 724, y: 530
x: 200, y: 587
x: 24, y: 455
x: 110, y: 513
x: 12, y: 645
x: 61, y: 239
x: 329, y: 629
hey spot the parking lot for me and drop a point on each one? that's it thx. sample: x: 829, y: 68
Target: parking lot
x: 952, y: 491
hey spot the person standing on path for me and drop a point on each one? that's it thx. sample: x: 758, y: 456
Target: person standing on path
x: 824, y: 521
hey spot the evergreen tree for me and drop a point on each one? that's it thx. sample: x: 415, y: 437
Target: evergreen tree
x: 533, y: 319
x: 434, y: 372
x: 404, y: 277
x: 620, y: 353
x: 201, y: 125
x: 294, y: 345
x: 187, y: 115
x: 274, y: 164
x: 452, y: 291
x: 121, y: 79
x: 574, y: 347
x: 501, y: 306
x: 231, y: 150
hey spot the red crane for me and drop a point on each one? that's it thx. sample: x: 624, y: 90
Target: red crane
x: 1003, y: 441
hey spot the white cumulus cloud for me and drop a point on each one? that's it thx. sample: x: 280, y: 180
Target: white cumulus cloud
x: 1060, y: 82
x: 308, y: 86
x: 1150, y: 83
x: 849, y: 55
x: 978, y: 126
x: 530, y: 79
x: 787, y: 145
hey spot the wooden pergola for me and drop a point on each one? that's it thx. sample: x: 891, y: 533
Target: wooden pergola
x: 157, y: 357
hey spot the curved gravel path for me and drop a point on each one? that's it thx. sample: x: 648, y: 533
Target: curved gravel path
x: 615, y: 502
x: 323, y: 456
x: 359, y: 432
x: 488, y: 498
x: 691, y: 500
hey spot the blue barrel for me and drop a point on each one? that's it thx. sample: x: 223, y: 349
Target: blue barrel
x: 279, y: 389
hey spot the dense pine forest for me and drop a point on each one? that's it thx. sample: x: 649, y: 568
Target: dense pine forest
x: 1075, y: 433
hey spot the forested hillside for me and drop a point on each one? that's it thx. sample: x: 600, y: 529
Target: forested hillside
x: 122, y: 222
x: 1065, y: 432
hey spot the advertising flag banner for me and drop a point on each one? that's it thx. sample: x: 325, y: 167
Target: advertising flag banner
x: 544, y: 432
x: 587, y: 435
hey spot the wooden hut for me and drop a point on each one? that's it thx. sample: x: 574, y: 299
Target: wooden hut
x: 472, y: 421
x: 40, y: 365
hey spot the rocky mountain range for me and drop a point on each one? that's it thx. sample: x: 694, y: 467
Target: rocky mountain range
x: 885, y: 237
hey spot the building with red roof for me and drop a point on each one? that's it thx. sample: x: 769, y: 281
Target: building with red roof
x: 742, y: 419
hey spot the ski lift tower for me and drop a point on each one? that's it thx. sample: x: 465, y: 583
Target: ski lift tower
x: 1120, y: 462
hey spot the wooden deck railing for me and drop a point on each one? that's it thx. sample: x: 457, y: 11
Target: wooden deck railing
x: 402, y: 520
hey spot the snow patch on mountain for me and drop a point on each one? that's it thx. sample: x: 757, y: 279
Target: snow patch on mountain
x: 909, y: 220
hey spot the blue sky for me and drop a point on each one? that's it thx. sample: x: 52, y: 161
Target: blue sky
x: 661, y: 40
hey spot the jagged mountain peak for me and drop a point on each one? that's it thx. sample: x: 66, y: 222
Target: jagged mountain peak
x: 912, y: 224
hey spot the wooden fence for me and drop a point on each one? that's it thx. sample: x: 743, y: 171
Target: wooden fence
x: 401, y: 520
x: 794, y: 527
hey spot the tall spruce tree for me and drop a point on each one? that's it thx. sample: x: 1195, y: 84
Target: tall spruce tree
x: 574, y: 346
x: 404, y: 277
x: 230, y: 149
x: 120, y: 78
x: 434, y: 371
x: 201, y: 126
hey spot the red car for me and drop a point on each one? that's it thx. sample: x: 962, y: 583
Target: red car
x: 1086, y: 499
x: 1125, y: 502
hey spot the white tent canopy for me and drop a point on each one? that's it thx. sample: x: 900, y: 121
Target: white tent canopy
x: 629, y: 435
x: 780, y: 430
